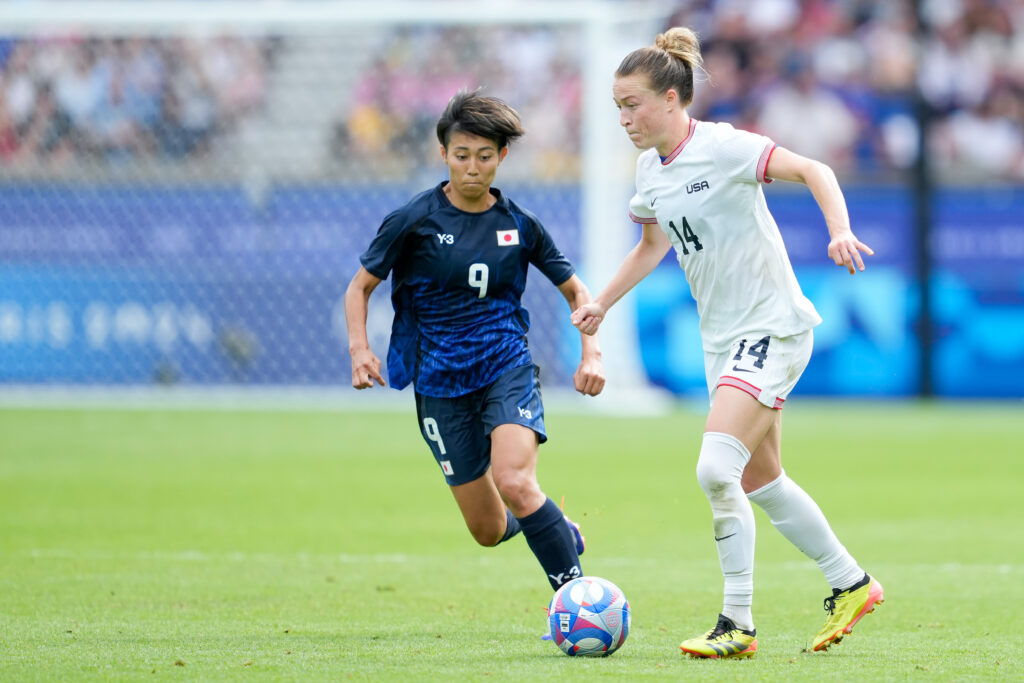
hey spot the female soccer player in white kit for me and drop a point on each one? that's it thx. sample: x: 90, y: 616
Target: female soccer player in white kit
x: 698, y: 189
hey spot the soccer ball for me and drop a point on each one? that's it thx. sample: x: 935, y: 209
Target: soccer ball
x: 589, y: 617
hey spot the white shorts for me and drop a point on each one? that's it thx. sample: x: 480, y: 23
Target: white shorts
x: 766, y: 368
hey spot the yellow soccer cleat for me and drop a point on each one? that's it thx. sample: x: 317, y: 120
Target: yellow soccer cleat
x: 724, y: 640
x: 846, y: 608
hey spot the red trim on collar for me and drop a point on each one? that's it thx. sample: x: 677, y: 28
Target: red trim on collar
x: 678, y: 150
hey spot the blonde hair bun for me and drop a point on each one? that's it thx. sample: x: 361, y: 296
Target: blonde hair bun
x: 681, y: 43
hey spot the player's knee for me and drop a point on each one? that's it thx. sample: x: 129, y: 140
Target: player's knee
x: 712, y: 478
x: 518, y: 490
x: 721, y: 463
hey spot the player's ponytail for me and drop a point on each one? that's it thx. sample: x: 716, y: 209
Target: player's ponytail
x: 669, y: 64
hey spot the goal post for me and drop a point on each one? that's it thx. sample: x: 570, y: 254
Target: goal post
x: 188, y: 215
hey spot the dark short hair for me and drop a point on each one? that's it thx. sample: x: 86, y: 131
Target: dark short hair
x: 488, y: 117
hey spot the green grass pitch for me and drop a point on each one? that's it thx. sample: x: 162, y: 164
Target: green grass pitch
x: 146, y: 545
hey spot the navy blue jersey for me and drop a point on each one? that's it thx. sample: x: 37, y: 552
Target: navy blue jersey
x: 458, y: 278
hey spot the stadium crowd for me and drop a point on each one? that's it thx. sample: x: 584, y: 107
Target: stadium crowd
x: 396, y: 101
x: 845, y: 70
x: 69, y: 98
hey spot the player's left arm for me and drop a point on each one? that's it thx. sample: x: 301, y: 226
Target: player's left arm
x: 589, y: 378
x: 843, y: 248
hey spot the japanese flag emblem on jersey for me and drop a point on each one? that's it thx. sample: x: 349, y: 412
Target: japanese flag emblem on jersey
x: 508, y: 238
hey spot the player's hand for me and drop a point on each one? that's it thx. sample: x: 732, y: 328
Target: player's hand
x: 365, y: 369
x: 587, y: 318
x: 844, y: 250
x: 589, y: 377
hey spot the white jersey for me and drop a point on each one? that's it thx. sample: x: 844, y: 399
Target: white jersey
x: 707, y: 197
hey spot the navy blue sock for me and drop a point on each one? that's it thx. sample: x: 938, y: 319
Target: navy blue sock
x: 512, y: 526
x: 551, y: 541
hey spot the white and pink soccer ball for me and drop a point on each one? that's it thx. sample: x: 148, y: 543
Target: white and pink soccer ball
x: 589, y: 617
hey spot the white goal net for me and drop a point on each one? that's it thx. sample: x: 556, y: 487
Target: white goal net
x: 185, y: 188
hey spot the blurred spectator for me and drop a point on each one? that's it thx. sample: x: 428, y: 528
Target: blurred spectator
x: 114, y: 127
x: 801, y: 115
x: 190, y: 108
x: 144, y: 74
x: 956, y: 70
x: 82, y: 87
x: 46, y: 134
x: 19, y: 85
x: 987, y: 139
x: 234, y: 72
x: 9, y: 142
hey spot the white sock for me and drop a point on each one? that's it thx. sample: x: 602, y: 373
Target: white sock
x: 740, y: 615
x: 719, y: 470
x: 801, y: 521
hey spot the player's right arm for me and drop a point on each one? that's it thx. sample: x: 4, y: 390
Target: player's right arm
x: 844, y: 248
x: 365, y: 365
x: 637, y: 265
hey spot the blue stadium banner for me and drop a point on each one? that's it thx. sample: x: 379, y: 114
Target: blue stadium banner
x: 207, y: 285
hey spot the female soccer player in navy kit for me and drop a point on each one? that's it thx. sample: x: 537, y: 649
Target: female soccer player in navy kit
x: 698, y: 189
x: 458, y: 254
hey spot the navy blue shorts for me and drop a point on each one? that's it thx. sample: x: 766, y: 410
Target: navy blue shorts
x: 458, y: 430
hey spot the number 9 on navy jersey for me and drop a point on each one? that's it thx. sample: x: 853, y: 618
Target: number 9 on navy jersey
x: 457, y: 284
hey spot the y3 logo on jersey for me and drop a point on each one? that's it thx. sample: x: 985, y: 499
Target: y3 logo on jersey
x: 523, y: 412
x: 445, y: 238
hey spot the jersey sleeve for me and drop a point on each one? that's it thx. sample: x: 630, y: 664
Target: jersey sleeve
x: 640, y: 210
x: 741, y: 155
x: 380, y: 257
x: 546, y: 255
